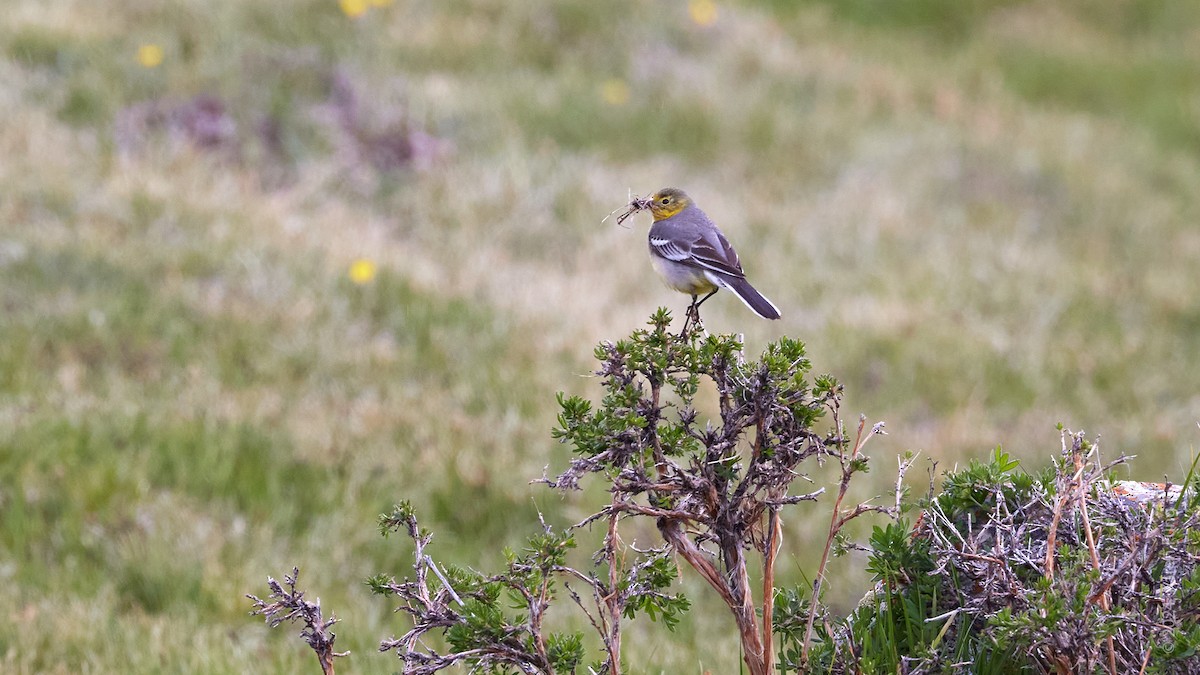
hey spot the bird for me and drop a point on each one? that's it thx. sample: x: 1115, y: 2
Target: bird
x: 692, y: 256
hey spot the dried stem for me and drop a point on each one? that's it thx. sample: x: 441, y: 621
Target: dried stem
x: 1078, y: 459
x: 612, y: 639
x: 773, y: 543
x: 837, y: 520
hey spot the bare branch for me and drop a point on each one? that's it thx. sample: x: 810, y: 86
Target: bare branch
x: 289, y: 605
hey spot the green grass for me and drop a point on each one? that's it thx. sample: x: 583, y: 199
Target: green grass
x: 978, y: 215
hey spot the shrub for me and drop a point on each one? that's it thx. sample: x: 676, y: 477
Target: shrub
x: 1002, y: 571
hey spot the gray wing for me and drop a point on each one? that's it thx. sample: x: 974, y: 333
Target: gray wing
x: 695, y: 241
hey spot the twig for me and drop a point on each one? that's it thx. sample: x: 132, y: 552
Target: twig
x: 445, y: 582
x: 1052, y: 534
x: 835, y: 523
x: 1145, y: 661
x: 289, y: 605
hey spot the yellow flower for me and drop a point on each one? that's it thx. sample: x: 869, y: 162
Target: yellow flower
x: 614, y: 92
x: 703, y: 12
x: 149, y: 55
x: 353, y: 8
x: 362, y: 271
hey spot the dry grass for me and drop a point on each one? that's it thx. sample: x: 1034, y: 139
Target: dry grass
x: 977, y: 249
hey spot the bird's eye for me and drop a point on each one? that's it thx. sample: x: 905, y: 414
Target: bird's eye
x: 665, y: 200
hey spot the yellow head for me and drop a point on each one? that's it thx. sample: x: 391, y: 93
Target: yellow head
x: 668, y: 202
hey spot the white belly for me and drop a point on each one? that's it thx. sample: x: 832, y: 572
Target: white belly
x: 683, y: 278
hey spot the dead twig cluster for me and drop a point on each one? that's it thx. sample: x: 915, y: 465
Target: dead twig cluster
x: 288, y: 605
x: 1071, y: 572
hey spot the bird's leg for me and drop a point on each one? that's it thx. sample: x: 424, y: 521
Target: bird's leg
x: 687, y: 316
x: 694, y: 310
x: 697, y: 304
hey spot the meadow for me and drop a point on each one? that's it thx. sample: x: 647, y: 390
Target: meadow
x: 268, y: 267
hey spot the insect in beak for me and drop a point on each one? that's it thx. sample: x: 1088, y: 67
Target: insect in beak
x: 635, y: 205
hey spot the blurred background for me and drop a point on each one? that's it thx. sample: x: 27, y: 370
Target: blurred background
x: 269, y: 266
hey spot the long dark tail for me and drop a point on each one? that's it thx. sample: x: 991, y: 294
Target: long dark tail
x: 753, y: 299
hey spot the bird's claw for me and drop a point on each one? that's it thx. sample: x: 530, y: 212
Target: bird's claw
x: 691, y: 318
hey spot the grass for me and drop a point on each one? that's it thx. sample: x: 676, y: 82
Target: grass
x: 981, y: 236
